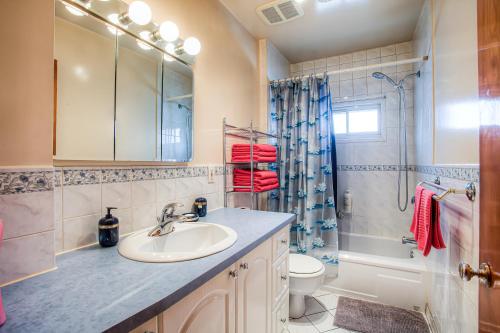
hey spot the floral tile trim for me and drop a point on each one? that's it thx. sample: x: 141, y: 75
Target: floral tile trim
x: 115, y: 175
x: 372, y: 167
x: 26, y: 182
x: 81, y: 176
x: 462, y: 173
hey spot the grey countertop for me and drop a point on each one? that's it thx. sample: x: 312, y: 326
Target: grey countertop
x: 96, y: 289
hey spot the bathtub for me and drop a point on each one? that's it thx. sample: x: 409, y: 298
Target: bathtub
x: 380, y: 269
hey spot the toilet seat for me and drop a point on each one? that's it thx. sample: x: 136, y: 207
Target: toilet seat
x: 302, y: 266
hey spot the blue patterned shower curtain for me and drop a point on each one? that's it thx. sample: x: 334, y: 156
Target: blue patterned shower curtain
x: 301, y: 116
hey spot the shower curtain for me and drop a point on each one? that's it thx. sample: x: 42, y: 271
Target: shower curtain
x: 301, y: 117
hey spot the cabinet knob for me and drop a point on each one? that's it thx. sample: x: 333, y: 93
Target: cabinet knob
x: 233, y: 274
x: 244, y: 265
x: 284, y: 241
x: 284, y: 277
x: 283, y: 320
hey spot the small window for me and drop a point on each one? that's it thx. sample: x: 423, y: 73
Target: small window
x: 353, y: 121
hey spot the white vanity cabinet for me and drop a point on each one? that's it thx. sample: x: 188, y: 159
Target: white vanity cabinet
x: 250, y: 296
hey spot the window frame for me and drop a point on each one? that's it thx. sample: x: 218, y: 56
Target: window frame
x: 349, y: 106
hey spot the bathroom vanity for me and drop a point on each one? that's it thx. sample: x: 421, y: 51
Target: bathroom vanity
x: 241, y: 289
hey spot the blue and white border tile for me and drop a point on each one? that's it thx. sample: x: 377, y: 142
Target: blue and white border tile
x: 26, y: 182
x: 469, y: 173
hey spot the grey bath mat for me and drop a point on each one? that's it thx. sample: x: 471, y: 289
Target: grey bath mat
x: 369, y: 317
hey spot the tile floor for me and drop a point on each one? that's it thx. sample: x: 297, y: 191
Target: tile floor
x: 319, y: 316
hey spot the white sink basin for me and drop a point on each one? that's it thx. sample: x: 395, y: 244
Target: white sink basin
x: 188, y: 241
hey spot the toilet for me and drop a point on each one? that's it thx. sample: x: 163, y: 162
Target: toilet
x: 306, y: 275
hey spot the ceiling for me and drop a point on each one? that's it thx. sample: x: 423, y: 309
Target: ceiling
x: 334, y: 27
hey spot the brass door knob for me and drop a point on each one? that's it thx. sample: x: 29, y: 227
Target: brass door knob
x: 485, y: 274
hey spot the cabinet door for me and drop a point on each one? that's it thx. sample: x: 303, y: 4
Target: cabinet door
x: 280, y: 316
x: 208, y: 309
x: 255, y: 290
x: 151, y: 326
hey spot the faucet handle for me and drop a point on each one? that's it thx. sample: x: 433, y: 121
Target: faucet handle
x: 171, y: 207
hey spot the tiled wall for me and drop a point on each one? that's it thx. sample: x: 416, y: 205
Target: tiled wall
x: 139, y: 194
x: 26, y: 208
x: 53, y: 210
x: 452, y: 303
x: 374, y: 183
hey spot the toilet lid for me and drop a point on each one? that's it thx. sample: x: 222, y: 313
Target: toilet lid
x: 301, y: 264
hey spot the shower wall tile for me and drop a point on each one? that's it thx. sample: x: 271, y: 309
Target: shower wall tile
x: 80, y: 200
x: 373, y: 53
x: 387, y: 50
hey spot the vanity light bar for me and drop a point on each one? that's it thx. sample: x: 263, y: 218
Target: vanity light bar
x: 117, y: 24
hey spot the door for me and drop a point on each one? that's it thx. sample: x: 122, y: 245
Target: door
x: 489, y: 89
x: 208, y: 309
x: 254, y: 290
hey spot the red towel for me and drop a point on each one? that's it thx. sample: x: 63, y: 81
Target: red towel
x: 426, y: 221
x: 257, y: 182
x: 256, y: 173
x: 256, y: 158
x: 245, y: 147
x: 259, y: 188
x: 259, y: 153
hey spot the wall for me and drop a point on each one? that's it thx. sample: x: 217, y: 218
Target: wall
x: 26, y: 64
x: 446, y: 133
x: 226, y: 85
x: 26, y: 106
x: 369, y: 169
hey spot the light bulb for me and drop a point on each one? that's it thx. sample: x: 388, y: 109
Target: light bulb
x: 145, y: 35
x: 115, y: 18
x: 169, y: 31
x: 139, y: 12
x: 192, y: 46
x: 143, y: 45
x: 75, y: 11
x: 170, y: 48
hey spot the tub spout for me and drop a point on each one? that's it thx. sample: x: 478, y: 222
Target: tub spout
x: 407, y: 240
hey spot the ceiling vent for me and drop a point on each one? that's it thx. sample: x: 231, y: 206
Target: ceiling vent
x: 280, y: 11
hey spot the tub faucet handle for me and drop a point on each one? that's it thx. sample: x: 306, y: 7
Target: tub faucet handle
x: 407, y: 240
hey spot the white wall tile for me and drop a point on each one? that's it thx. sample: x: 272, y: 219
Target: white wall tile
x: 346, y: 75
x: 387, y: 50
x: 80, y: 231
x: 360, y: 87
x: 320, y: 65
x: 388, y: 69
x: 373, y: 53
x: 333, y: 61
x: 117, y: 195
x: 346, y: 88
x: 295, y: 68
x: 144, y: 216
x: 27, y: 213
x: 143, y: 192
x: 165, y: 190
x: 18, y: 256
x: 307, y: 65
x: 359, y: 56
x: 80, y: 200
x: 346, y: 58
x: 405, y: 47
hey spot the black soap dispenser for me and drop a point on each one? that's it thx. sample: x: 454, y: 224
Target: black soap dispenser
x: 108, y: 229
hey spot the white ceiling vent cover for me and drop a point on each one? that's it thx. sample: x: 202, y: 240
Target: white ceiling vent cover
x: 280, y: 11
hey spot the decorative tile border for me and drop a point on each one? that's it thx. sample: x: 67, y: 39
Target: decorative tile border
x: 373, y: 167
x: 26, y: 181
x: 30, y: 180
x: 455, y: 172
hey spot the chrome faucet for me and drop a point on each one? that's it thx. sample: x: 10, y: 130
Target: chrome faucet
x: 406, y: 240
x: 166, y: 220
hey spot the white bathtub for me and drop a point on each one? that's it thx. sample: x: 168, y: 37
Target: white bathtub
x: 381, y: 270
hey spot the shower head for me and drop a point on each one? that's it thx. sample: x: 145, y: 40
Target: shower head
x: 382, y: 76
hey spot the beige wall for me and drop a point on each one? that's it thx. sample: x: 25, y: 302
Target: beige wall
x: 26, y: 89
x: 226, y: 80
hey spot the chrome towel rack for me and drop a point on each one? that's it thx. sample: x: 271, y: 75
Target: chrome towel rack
x: 469, y: 190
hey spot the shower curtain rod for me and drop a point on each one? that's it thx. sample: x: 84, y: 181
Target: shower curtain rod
x: 353, y: 69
